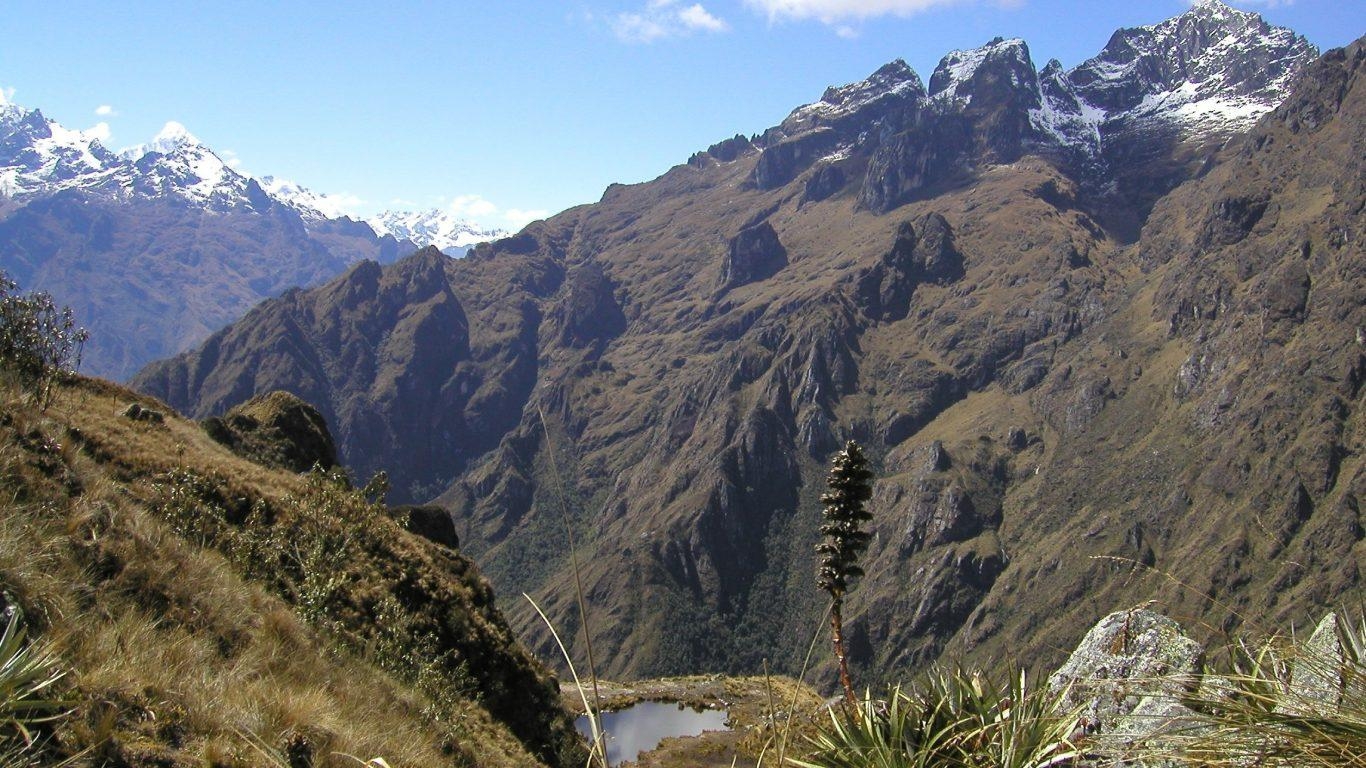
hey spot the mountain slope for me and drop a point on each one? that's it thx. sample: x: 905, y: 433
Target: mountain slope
x: 209, y: 610
x: 926, y: 270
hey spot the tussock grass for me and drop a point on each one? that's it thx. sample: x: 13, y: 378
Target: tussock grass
x: 1279, y: 702
x: 174, y: 652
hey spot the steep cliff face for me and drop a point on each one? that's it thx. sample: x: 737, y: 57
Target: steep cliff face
x: 666, y: 372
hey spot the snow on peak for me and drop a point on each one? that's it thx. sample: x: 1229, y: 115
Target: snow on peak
x: 436, y: 227
x: 312, y: 206
x: 959, y: 67
x: 172, y: 137
x: 37, y: 153
x: 892, y: 80
x: 1212, y: 70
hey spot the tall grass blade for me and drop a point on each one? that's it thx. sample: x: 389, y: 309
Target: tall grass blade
x: 599, y: 746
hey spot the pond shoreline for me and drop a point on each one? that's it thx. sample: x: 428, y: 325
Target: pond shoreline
x: 757, y: 709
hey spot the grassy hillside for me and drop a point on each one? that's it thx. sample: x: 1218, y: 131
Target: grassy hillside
x: 206, y: 610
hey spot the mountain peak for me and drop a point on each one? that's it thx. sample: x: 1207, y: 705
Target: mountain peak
x: 894, y: 80
x: 172, y: 137
x: 1211, y: 65
x: 8, y: 107
x: 957, y: 68
x: 174, y: 134
x: 435, y: 228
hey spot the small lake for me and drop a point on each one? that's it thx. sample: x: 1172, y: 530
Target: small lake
x: 640, y: 728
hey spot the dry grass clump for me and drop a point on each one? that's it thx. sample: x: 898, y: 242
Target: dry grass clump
x: 169, y: 655
x: 1284, y: 703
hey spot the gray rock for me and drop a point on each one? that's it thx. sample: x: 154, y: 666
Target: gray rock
x: 1152, y: 734
x: 1127, y: 657
x: 1316, y: 672
x: 138, y: 413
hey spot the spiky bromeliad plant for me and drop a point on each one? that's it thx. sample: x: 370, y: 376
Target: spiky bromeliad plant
x: 850, y: 487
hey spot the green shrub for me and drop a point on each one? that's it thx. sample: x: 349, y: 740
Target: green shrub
x: 953, y: 719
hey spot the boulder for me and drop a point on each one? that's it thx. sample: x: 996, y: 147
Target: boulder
x: 429, y: 521
x: 276, y: 429
x: 1128, y: 656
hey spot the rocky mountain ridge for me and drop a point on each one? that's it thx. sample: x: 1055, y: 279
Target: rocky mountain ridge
x: 1057, y: 397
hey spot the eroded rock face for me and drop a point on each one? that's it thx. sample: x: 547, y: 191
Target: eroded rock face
x: 590, y: 314
x: 754, y: 254
x: 781, y: 162
x: 923, y: 252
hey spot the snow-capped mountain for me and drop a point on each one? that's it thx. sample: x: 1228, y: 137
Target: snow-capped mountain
x: 159, y: 245
x: 38, y: 154
x: 176, y: 163
x: 891, y: 85
x: 1211, y: 71
x: 312, y: 206
x: 451, y: 234
x: 40, y: 157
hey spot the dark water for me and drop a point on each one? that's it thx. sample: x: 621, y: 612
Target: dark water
x: 641, y: 727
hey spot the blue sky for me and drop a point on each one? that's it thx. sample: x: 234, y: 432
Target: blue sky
x: 508, y: 109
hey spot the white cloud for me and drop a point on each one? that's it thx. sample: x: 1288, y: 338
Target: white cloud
x: 230, y: 158
x: 6, y: 96
x: 696, y: 17
x: 666, y: 18
x: 104, y: 110
x: 472, y: 207
x: 516, y: 218
x: 833, y: 12
x: 485, y: 214
x: 99, y: 131
x: 338, y: 205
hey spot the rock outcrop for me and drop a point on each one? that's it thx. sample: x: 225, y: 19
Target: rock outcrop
x: 276, y: 429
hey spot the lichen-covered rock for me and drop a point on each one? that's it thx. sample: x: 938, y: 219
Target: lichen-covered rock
x: 1127, y: 657
x: 1316, y: 672
x: 1155, y: 728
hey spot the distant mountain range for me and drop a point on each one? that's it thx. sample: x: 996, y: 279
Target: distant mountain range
x: 159, y: 245
x: 1093, y: 326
